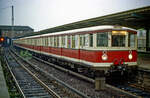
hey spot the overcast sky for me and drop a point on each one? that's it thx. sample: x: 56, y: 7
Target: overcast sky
x: 43, y: 14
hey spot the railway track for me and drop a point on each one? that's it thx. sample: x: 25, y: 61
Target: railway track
x: 130, y: 90
x: 62, y: 89
x: 142, y: 81
x: 140, y: 86
x: 79, y: 84
x: 25, y: 81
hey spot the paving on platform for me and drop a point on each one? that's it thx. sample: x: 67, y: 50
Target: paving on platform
x: 144, y: 61
x: 3, y: 88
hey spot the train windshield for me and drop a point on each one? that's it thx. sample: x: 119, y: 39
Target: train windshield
x: 118, y: 38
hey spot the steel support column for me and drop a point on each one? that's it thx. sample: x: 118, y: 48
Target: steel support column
x: 147, y: 39
x: 99, y: 80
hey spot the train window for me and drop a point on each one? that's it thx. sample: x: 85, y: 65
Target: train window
x: 57, y: 41
x: 131, y: 40
x: 35, y: 42
x: 46, y: 41
x: 81, y: 40
x: 63, y: 41
x: 91, y: 40
x: 102, y: 39
x: 69, y: 41
x: 28, y: 42
x: 86, y: 40
x: 40, y: 41
x: 118, y: 38
x: 76, y: 41
x: 43, y: 39
x: 73, y: 41
x: 49, y: 41
x: 52, y: 41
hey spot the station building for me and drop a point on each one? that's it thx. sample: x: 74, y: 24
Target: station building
x: 14, y: 31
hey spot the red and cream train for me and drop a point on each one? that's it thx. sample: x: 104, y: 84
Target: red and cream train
x: 98, y: 48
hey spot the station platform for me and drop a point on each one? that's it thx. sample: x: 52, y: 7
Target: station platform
x: 144, y: 61
x: 3, y: 87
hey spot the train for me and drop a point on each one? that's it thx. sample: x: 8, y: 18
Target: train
x: 99, y: 49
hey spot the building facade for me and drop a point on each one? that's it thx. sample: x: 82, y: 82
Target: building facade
x: 15, y: 31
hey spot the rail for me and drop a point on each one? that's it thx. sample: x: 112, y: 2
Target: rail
x: 55, y: 95
x: 49, y: 75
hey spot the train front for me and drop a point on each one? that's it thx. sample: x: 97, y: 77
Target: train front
x: 122, y: 53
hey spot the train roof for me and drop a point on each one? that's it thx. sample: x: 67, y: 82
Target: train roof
x: 88, y: 29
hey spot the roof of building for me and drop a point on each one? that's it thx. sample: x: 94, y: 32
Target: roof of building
x: 16, y: 28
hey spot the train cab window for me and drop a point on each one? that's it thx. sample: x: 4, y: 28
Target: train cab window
x: 131, y: 40
x: 69, y: 41
x: 91, y: 40
x: 102, y: 39
x: 118, y: 38
x: 73, y: 41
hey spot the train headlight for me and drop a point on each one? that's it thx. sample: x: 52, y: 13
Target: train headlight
x: 130, y: 56
x: 104, y: 57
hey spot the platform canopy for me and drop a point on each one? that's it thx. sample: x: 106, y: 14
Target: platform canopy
x: 136, y: 18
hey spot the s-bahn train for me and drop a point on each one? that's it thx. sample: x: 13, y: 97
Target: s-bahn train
x: 100, y: 48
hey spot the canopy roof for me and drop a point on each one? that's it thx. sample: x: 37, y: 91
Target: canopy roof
x: 136, y: 18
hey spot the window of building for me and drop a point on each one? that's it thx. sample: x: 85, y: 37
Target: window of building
x: 131, y: 40
x: 102, y: 39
